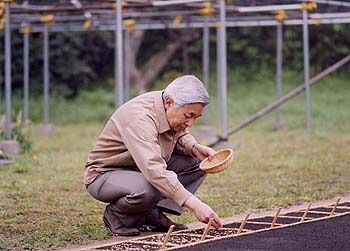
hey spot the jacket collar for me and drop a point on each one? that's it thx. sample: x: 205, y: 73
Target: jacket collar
x: 163, y: 124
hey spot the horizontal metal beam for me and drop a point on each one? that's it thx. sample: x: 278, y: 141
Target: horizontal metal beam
x: 169, y: 25
x: 268, y: 8
x: 330, y: 2
x: 329, y: 15
x: 175, y: 2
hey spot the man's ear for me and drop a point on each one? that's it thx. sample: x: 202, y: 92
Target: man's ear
x: 169, y: 102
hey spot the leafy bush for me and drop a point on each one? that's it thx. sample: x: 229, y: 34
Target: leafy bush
x: 19, y: 131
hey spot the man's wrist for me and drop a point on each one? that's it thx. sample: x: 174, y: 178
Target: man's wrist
x: 193, y: 150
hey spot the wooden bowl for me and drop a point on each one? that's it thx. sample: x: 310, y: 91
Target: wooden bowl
x: 221, y: 160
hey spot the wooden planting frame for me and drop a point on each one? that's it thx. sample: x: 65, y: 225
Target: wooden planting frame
x: 186, y: 238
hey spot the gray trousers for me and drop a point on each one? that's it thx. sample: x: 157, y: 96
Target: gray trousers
x: 131, y: 196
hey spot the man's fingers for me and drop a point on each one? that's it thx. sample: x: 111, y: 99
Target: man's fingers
x: 210, y: 157
x: 216, y: 222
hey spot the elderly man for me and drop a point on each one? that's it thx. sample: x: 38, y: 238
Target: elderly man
x: 145, y: 162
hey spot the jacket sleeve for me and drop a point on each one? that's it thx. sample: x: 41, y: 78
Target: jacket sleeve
x: 185, y: 143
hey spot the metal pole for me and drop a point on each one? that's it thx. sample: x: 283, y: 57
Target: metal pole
x: 307, y: 70
x: 218, y: 77
x: 26, y: 75
x: 8, y: 71
x: 46, y: 73
x: 126, y: 65
x: 0, y: 75
x: 206, y: 64
x: 118, y: 55
x: 279, y: 69
x: 222, y: 69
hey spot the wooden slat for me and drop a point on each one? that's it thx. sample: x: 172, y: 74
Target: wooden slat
x: 305, y: 213
x: 205, y: 232
x: 275, y: 218
x: 171, y: 228
x: 243, y: 224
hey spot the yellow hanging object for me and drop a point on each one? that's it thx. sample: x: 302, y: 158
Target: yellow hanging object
x: 2, y: 8
x: 177, y: 20
x: 26, y: 29
x: 47, y: 19
x: 229, y: 1
x: 207, y: 10
x: 87, y: 24
x: 309, y: 6
x: 8, y: 1
x: 124, y: 5
x: 313, y: 5
x: 280, y: 15
x: 217, y: 25
x: 318, y: 21
x: 2, y: 23
x: 129, y: 23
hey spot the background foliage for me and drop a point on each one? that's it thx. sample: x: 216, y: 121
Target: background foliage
x: 79, y: 59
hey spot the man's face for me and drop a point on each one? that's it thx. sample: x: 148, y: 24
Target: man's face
x: 180, y: 118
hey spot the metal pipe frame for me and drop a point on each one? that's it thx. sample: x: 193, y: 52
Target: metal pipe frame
x: 222, y: 83
x: 126, y: 65
x: 205, y: 65
x: 46, y: 73
x: 39, y: 28
x: 279, y: 41
x: 118, y: 57
x: 268, y: 8
x: 175, y: 2
x: 8, y: 71
x: 26, y: 76
x: 307, y: 71
x: 1, y: 76
x: 330, y: 2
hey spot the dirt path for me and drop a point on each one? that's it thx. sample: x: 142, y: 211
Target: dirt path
x: 114, y: 240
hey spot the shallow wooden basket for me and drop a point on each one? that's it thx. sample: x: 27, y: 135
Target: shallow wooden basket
x: 221, y: 160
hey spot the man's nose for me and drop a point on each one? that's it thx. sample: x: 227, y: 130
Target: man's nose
x: 190, y: 122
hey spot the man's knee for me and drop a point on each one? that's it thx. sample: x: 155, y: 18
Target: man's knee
x: 151, y: 197
x: 143, y: 201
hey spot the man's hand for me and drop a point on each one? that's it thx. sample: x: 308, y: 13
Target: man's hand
x: 202, y: 211
x: 201, y: 152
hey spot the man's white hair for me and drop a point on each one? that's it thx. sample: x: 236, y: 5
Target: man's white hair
x: 186, y: 90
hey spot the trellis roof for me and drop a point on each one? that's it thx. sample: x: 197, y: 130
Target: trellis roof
x: 73, y: 15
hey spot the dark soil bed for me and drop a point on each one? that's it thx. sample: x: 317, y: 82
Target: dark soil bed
x: 329, y: 210
x: 214, y: 232
x: 178, y: 239
x: 345, y: 204
x: 248, y: 226
x: 329, y: 234
x: 279, y: 220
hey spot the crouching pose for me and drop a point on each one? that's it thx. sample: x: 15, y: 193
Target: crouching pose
x: 145, y: 163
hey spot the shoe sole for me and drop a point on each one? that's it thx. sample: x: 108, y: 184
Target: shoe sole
x: 108, y: 226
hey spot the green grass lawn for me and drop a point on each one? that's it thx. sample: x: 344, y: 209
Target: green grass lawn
x: 43, y: 202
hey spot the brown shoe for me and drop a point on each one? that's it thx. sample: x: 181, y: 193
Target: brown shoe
x: 116, y: 227
x: 159, y: 222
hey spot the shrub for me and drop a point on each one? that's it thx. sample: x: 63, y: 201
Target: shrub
x: 19, y: 131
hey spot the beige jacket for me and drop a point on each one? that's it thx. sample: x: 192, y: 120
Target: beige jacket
x: 138, y: 136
